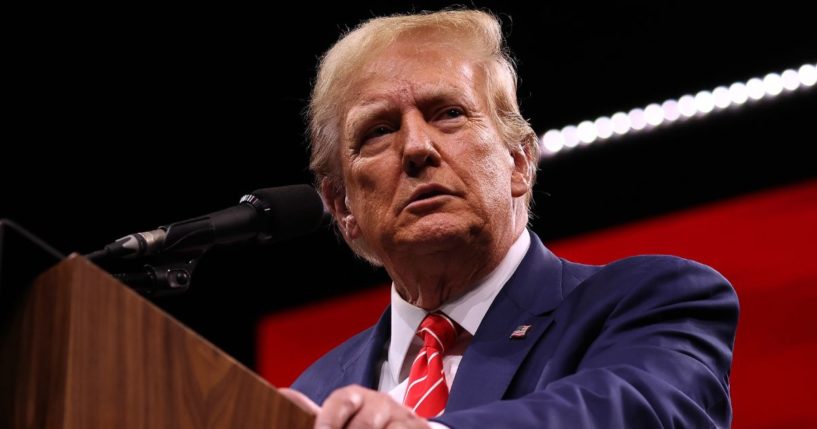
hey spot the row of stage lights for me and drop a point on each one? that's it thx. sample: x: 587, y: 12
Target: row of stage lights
x: 686, y: 107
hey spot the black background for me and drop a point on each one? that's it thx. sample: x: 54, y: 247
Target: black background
x: 120, y: 119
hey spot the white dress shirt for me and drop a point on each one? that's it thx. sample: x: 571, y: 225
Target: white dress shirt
x: 467, y: 310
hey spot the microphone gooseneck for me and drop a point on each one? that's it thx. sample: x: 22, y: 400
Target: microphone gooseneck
x: 265, y: 215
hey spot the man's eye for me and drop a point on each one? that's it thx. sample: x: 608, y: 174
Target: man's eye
x: 453, y: 113
x: 376, y: 132
x: 379, y: 131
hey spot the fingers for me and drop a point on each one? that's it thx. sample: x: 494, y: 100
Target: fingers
x: 339, y: 407
x: 355, y: 407
x: 300, y: 400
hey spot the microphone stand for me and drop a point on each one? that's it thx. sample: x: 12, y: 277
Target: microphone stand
x: 262, y: 216
x: 171, y: 271
x: 172, y: 277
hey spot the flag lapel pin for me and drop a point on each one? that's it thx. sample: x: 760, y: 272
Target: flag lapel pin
x: 520, y: 332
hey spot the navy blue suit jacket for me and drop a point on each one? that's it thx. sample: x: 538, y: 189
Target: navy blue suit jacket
x: 641, y: 342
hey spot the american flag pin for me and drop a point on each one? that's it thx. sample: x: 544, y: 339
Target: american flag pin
x: 520, y: 332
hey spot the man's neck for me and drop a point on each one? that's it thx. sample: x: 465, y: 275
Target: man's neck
x: 444, y: 277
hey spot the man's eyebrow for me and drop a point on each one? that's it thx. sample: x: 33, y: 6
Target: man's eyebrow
x: 359, y: 114
x: 446, y: 96
x: 428, y: 97
x: 366, y: 108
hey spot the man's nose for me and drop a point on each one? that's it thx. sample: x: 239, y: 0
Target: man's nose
x: 419, y: 150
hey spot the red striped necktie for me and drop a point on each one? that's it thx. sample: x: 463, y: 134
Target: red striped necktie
x: 427, y: 391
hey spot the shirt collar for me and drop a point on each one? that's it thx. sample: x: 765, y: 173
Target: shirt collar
x: 467, y: 310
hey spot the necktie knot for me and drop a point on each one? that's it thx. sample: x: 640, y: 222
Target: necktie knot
x: 438, y: 332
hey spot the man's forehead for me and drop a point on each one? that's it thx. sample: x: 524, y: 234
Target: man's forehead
x: 394, y: 76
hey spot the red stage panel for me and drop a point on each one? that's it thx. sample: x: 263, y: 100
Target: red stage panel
x: 289, y: 341
x: 764, y: 244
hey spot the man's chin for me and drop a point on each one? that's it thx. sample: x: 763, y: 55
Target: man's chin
x: 435, y: 232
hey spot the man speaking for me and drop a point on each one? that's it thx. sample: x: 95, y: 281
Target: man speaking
x: 422, y: 156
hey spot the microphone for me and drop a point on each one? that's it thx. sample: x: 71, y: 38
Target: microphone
x: 265, y: 215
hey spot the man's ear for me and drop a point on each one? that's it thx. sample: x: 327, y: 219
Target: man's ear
x: 338, y: 205
x: 520, y: 177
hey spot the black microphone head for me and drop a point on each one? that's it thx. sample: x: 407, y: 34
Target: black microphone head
x: 290, y: 211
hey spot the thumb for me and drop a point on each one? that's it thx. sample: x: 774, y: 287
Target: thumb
x: 300, y: 400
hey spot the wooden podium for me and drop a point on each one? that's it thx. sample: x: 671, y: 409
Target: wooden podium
x: 80, y: 350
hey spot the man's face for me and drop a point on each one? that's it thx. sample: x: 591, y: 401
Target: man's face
x: 423, y: 163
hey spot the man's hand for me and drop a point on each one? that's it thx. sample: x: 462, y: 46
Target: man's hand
x: 356, y: 407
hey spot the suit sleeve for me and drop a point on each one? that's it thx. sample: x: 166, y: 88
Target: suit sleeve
x: 658, y: 355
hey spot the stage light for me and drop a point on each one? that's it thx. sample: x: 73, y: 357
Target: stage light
x: 604, y: 127
x: 553, y: 141
x: 701, y: 104
x: 738, y: 93
x: 621, y: 123
x: 671, y: 112
x: 773, y: 84
x: 791, y: 80
x: 704, y: 102
x: 808, y: 75
x: 571, y: 137
x: 587, y: 132
x: 721, y: 97
x: 755, y: 89
x: 686, y: 105
x: 637, y: 119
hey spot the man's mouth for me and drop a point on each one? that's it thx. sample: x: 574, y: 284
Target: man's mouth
x: 426, y: 192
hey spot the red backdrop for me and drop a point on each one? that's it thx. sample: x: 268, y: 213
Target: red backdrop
x: 763, y: 243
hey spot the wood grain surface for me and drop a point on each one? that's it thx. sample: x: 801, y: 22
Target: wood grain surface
x: 84, y: 351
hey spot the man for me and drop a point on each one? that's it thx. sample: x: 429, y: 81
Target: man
x: 422, y: 156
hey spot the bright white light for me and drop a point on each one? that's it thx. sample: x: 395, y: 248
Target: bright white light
x: 773, y: 84
x: 571, y: 137
x: 553, y: 141
x: 587, y: 132
x: 654, y: 114
x: 790, y: 80
x: 686, y: 105
x: 721, y: 96
x: 704, y: 102
x: 637, y: 119
x: 621, y: 123
x: 671, y: 112
x: 808, y: 75
x: 755, y: 88
x: 604, y: 127
x: 738, y: 93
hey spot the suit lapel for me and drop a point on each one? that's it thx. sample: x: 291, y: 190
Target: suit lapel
x: 361, y: 365
x: 493, y: 357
